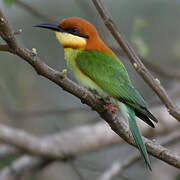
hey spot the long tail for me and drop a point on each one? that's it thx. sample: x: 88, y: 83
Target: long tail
x: 129, y: 114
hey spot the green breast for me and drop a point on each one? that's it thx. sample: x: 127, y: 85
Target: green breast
x: 70, y: 56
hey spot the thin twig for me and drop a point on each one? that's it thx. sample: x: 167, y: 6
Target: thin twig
x: 165, y: 72
x: 34, y: 11
x: 117, y: 167
x: 20, y: 167
x: 80, y: 176
x: 117, y: 125
x: 136, y: 62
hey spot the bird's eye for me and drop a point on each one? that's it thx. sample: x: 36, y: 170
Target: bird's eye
x: 73, y: 30
x: 76, y: 31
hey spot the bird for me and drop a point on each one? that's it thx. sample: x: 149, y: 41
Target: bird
x: 97, y: 68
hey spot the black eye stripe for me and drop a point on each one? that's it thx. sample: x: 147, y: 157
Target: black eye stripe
x: 75, y: 31
x: 72, y: 30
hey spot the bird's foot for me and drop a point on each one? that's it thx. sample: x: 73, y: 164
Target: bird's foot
x: 85, y: 94
x: 111, y: 108
x: 95, y: 93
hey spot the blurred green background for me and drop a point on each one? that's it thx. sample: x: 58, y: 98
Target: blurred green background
x: 151, y: 27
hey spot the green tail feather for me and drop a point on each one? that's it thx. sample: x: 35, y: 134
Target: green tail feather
x: 129, y: 114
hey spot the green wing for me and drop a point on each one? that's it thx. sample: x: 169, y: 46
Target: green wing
x: 110, y: 74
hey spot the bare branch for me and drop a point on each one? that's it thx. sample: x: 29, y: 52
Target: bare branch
x: 7, y: 150
x: 27, y: 163
x: 118, y: 167
x: 21, y: 166
x: 4, y: 48
x: 165, y: 72
x: 65, y: 144
x: 95, y: 136
x: 117, y: 125
x: 136, y: 62
x: 62, y: 145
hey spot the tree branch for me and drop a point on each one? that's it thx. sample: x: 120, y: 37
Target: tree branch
x: 118, y: 167
x: 7, y: 150
x: 95, y: 136
x: 62, y: 145
x: 117, y: 125
x: 19, y: 167
x: 27, y: 163
x: 4, y: 48
x: 165, y: 72
x: 136, y: 62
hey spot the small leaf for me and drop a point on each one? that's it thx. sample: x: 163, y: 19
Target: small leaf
x: 8, y: 2
x: 140, y: 45
x: 137, y: 39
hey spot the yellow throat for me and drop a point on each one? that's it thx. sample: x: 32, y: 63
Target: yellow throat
x: 71, y: 41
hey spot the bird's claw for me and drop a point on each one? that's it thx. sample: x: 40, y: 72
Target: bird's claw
x: 85, y: 93
x: 111, y: 108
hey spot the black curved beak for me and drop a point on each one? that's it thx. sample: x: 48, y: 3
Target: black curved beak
x: 53, y: 27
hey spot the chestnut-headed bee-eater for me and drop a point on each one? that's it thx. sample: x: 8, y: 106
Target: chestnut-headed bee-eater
x: 96, y: 67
